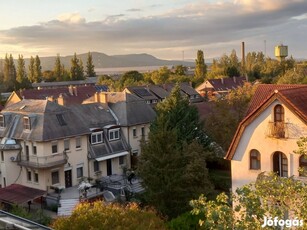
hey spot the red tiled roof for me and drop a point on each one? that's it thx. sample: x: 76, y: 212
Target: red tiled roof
x: 228, y: 83
x: 80, y: 93
x: 295, y: 96
x: 19, y: 194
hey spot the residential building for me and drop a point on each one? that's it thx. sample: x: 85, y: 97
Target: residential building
x: 267, y: 137
x: 219, y: 87
x: 144, y: 93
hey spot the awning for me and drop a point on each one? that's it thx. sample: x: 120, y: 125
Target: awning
x: 112, y: 156
x: 19, y: 194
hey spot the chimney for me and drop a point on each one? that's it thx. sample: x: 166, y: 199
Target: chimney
x: 75, y: 91
x: 222, y: 80
x: 71, y: 90
x: 96, y: 97
x: 61, y: 100
x: 243, y: 56
x: 234, y: 79
x: 103, y: 97
x: 50, y: 98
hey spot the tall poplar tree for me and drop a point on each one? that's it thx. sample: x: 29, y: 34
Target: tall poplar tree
x: 57, y: 70
x: 200, y: 67
x: 90, y: 68
x: 9, y: 73
x: 21, y: 77
x: 76, y: 69
x: 37, y: 70
x: 31, y: 70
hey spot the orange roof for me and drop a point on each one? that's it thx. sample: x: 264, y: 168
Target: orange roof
x: 294, y: 96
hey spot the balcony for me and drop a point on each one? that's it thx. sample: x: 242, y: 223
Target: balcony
x: 278, y: 130
x: 42, y: 162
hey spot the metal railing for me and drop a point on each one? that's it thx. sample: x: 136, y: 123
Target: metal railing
x: 278, y: 129
x: 40, y: 162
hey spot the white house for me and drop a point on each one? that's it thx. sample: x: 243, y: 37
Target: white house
x: 267, y: 137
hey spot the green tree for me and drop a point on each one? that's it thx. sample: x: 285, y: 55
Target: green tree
x: 160, y: 76
x: 269, y: 196
x: 90, y: 68
x: 76, y: 69
x: 21, y: 77
x: 48, y: 76
x: 9, y: 73
x: 31, y: 70
x: 58, y: 69
x: 200, y: 67
x: 180, y: 70
x: 98, y: 215
x: 37, y: 69
x: 173, y: 161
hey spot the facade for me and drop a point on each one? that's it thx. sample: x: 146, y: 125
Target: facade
x: 267, y: 137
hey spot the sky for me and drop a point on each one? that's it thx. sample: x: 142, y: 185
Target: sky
x: 167, y: 29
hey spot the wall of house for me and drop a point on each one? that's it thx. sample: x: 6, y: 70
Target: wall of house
x: 256, y: 137
x: 10, y: 171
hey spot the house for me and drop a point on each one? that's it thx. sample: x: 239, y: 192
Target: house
x: 44, y: 144
x: 60, y: 84
x: 132, y: 114
x: 144, y: 93
x: 218, y: 87
x: 69, y: 95
x: 186, y: 90
x: 267, y: 137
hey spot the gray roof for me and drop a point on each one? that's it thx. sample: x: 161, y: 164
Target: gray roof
x: 142, y: 92
x: 49, y: 121
x: 158, y: 91
x: 130, y: 110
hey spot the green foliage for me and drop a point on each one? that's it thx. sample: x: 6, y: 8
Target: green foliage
x: 302, y: 150
x: 270, y: 196
x: 200, y: 66
x: 37, y: 70
x: 294, y: 76
x: 76, y: 69
x: 160, y: 76
x: 98, y: 215
x: 59, y: 72
x: 21, y: 77
x: 131, y: 78
x: 185, y: 221
x: 9, y: 73
x: 173, y: 161
x: 180, y: 70
x: 48, y: 76
x: 31, y: 70
x: 90, y: 68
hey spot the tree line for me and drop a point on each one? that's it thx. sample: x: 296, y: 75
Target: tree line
x: 14, y: 77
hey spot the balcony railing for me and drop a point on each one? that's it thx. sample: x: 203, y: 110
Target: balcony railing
x: 41, y: 162
x: 278, y: 130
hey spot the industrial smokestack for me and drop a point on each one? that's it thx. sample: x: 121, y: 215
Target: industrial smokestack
x: 243, y: 61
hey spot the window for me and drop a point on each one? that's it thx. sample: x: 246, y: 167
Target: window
x: 54, y: 147
x: 55, y: 177
x: 147, y: 102
x: 280, y: 164
x: 303, y: 165
x: 26, y: 123
x: 2, y: 156
x: 96, y: 166
x: 61, y: 120
x: 66, y: 144
x: 78, y: 142
x: 36, y: 177
x: 34, y: 150
x: 134, y: 132
x: 96, y: 138
x: 121, y: 160
x: 113, y: 134
x: 29, y: 175
x: 135, y: 153
x: 254, y: 159
x: 143, y: 131
x: 278, y: 113
x: 79, y: 172
x: 2, y: 121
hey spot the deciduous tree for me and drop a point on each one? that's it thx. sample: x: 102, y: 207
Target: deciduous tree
x: 21, y: 77
x: 9, y: 73
x: 200, y: 67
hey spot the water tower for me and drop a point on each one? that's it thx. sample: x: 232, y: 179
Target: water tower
x: 281, y: 52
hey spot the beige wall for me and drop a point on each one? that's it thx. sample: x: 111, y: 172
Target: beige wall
x: 255, y: 137
x: 9, y: 169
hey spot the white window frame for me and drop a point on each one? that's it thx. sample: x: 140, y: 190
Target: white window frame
x: 134, y: 132
x: 58, y: 179
x: 95, y: 136
x: 54, y: 143
x: 113, y: 131
x: 66, y: 143
x: 77, y: 170
x: 27, y: 123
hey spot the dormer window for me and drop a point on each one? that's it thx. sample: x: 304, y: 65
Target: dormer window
x: 97, y: 138
x: 113, y: 134
x: 2, y: 121
x: 27, y: 123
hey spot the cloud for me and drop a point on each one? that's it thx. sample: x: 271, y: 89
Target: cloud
x: 134, y: 10
x: 194, y: 26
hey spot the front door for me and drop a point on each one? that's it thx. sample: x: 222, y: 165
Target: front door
x: 68, y: 179
x: 109, y: 167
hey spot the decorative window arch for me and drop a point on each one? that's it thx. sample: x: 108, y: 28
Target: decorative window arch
x: 255, y: 158
x: 280, y: 164
x: 279, y: 113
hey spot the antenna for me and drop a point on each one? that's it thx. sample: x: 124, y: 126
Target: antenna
x: 264, y: 48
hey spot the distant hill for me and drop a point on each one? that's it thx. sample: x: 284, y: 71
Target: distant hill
x: 102, y: 60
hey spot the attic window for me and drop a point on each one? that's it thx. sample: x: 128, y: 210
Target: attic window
x: 113, y: 134
x: 2, y: 121
x: 27, y: 123
x: 61, y: 120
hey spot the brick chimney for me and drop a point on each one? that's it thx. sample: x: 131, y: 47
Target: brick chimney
x: 71, y: 90
x: 96, y: 97
x: 222, y: 80
x: 50, y: 98
x: 61, y: 100
x: 103, y: 97
x: 75, y: 90
x: 234, y: 79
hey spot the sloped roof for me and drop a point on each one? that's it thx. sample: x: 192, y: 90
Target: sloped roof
x: 19, y: 194
x: 75, y: 96
x: 294, y: 96
x: 49, y: 121
x: 158, y: 91
x: 223, y: 84
x: 142, y: 92
x: 129, y: 109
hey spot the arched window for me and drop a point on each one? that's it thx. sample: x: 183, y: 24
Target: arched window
x: 255, y: 159
x: 279, y: 113
x: 303, y: 165
x: 280, y: 164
